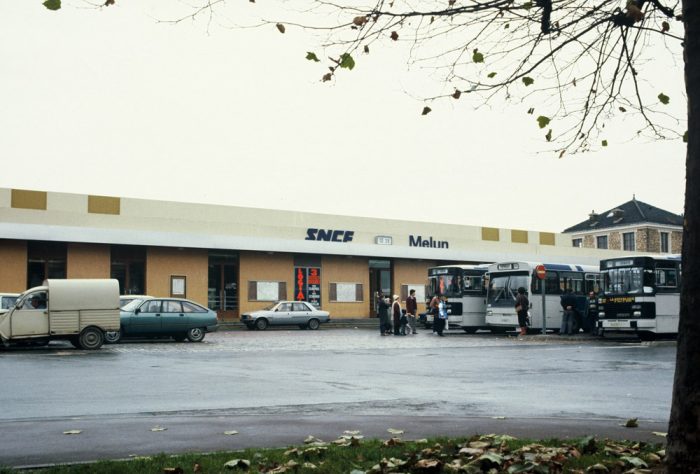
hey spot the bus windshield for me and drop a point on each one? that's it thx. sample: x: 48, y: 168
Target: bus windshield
x: 504, y: 288
x: 448, y: 285
x: 623, y: 280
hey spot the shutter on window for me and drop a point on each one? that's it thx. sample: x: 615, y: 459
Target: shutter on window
x: 358, y: 292
x: 404, y: 292
x: 252, y: 290
x: 282, y: 290
x: 333, y: 293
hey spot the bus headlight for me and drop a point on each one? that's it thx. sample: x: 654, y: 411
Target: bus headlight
x: 637, y: 314
x: 636, y: 306
x: 601, y: 314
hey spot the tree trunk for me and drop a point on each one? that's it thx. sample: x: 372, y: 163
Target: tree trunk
x: 683, y: 448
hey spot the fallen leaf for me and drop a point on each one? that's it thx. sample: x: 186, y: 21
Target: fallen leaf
x: 631, y: 423
x: 158, y: 428
x: 237, y: 464
x: 352, y: 433
x: 173, y: 470
x: 231, y: 433
x: 597, y: 468
x: 312, y: 439
x: 72, y: 432
x: 498, y: 417
x: 393, y: 442
x: 394, y: 431
x: 197, y: 468
x: 659, y: 433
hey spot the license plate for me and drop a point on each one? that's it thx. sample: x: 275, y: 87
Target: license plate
x: 618, y: 324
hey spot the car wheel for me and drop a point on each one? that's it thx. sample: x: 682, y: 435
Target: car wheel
x: 261, y: 324
x: 313, y: 324
x: 112, y: 337
x: 91, y: 339
x: 195, y: 335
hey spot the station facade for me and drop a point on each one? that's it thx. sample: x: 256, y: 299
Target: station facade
x: 235, y: 259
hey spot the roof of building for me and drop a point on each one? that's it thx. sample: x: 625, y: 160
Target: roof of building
x: 630, y: 213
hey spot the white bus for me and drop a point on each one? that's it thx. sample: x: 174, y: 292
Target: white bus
x: 506, y: 277
x: 641, y: 295
x: 466, y: 295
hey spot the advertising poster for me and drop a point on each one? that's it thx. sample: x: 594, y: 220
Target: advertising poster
x: 307, y: 285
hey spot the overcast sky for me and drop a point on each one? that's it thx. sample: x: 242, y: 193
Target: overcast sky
x: 112, y: 102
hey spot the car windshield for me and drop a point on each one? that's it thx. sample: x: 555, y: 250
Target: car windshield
x: 8, y: 302
x: 270, y: 306
x: 132, y: 305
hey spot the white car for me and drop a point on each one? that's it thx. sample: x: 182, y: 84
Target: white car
x: 7, y: 301
x: 299, y: 313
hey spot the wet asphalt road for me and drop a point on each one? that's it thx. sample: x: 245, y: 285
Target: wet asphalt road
x: 277, y: 387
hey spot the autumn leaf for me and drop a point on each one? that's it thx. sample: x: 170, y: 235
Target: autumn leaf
x: 280, y: 27
x: 52, y: 4
x: 527, y: 6
x: 477, y: 57
x: 359, y: 20
x: 528, y: 81
x: 604, y: 143
x: 346, y: 61
x: 366, y: 48
x: 663, y: 98
x: 548, y: 137
x: 457, y: 93
x: 685, y: 137
x: 237, y: 464
x: 631, y: 423
x: 158, y: 428
x: 327, y: 77
x: 231, y: 433
x: 426, y: 110
x: 665, y: 26
x: 491, y: 75
x: 109, y: 2
x: 394, y: 36
x: 531, y: 110
x: 312, y: 56
x: 543, y: 121
x: 72, y: 432
x: 622, y: 109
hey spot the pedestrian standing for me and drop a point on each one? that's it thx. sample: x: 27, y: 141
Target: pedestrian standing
x: 434, y: 310
x: 568, y: 304
x: 396, y: 313
x: 592, y: 313
x: 382, y: 313
x: 442, y: 316
x: 411, y: 310
x: 522, y: 304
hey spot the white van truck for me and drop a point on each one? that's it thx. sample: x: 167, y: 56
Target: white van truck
x: 80, y: 311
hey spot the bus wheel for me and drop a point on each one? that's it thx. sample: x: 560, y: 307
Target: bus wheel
x: 498, y: 330
x: 646, y: 336
x: 470, y: 330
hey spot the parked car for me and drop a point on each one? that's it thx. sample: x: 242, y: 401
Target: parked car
x: 298, y: 313
x: 7, y: 301
x: 126, y: 299
x: 165, y: 317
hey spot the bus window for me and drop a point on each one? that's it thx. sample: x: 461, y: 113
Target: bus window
x: 666, y: 277
x: 551, y: 285
x: 473, y: 283
x: 592, y: 283
x: 571, y: 280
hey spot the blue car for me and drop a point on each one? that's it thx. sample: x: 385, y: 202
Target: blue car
x: 164, y: 317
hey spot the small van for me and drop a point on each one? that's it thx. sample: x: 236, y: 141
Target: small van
x: 76, y: 310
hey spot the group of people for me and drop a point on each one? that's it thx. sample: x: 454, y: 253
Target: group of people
x: 579, y: 312
x: 405, y: 324
x: 399, y: 324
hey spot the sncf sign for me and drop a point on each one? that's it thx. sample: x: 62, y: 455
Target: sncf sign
x: 329, y: 235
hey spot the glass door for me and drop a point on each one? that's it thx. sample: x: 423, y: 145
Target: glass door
x: 379, y: 280
x: 223, y: 285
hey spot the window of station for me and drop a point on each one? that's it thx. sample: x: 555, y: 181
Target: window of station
x: 664, y: 242
x: 577, y: 242
x: 601, y: 241
x: 45, y: 260
x: 128, y: 267
x: 628, y: 241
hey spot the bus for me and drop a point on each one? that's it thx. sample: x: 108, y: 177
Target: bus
x: 466, y: 295
x: 506, y: 277
x: 641, y: 295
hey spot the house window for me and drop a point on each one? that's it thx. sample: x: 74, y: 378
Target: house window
x: 628, y: 241
x: 664, y: 242
x: 602, y: 241
x: 577, y: 242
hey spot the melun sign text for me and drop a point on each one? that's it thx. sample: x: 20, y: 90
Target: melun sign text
x: 419, y: 241
x: 329, y: 235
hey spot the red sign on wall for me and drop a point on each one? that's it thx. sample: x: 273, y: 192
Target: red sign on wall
x: 307, y: 285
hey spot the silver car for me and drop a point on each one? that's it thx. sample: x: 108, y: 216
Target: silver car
x: 299, y: 313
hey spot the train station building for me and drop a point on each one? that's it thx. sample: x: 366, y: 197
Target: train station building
x: 236, y: 259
